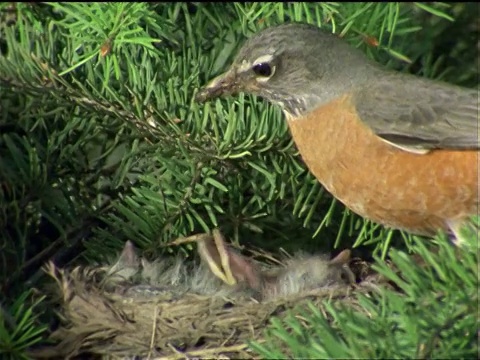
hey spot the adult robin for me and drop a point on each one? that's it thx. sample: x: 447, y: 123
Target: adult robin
x: 395, y: 148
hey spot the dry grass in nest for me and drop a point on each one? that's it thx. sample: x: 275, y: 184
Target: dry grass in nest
x: 98, y: 322
x: 107, y: 323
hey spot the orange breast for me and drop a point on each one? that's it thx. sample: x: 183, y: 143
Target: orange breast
x: 414, y: 192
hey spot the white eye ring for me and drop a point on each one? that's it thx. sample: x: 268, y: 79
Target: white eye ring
x: 263, y: 68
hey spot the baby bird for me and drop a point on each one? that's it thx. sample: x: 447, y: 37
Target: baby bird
x: 136, y: 277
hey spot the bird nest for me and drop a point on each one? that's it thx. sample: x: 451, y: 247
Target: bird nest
x: 169, y: 310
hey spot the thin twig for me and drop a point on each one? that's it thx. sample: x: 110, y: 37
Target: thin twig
x: 154, y: 327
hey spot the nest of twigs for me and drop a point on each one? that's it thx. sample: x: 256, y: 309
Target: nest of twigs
x: 98, y: 321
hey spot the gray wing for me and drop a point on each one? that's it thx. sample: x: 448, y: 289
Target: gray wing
x: 419, y: 114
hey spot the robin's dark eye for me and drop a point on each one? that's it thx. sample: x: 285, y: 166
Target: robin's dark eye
x: 262, y: 69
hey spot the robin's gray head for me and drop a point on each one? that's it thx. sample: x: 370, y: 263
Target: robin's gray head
x: 295, y: 66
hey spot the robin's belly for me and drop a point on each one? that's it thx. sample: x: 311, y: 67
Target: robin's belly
x: 415, y: 192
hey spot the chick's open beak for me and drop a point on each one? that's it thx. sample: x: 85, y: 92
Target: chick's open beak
x: 222, y: 85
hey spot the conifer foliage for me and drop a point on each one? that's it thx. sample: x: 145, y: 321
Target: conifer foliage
x: 102, y: 142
